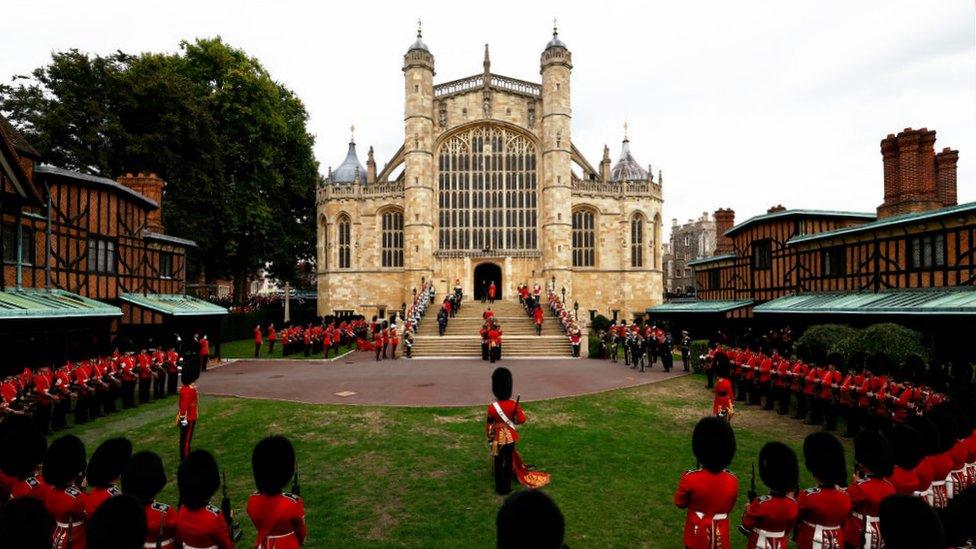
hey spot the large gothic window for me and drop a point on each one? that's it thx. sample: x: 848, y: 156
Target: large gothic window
x: 345, y: 242
x: 392, y: 236
x: 637, y: 241
x: 584, y: 239
x: 487, y: 191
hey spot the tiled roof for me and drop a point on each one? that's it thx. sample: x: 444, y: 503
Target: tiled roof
x: 716, y: 306
x: 149, y: 235
x: 104, y: 181
x: 800, y: 213
x: 900, y: 302
x: 38, y: 303
x: 16, y: 138
x: 712, y: 259
x: 888, y: 222
x: 174, y: 304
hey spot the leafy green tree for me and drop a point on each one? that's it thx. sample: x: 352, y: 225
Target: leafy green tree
x: 230, y: 142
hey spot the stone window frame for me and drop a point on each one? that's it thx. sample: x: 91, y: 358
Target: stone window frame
x: 344, y: 241
x: 585, y: 227
x: 637, y: 235
x: 391, y: 237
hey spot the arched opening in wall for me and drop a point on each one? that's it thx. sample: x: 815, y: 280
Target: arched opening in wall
x: 484, y: 275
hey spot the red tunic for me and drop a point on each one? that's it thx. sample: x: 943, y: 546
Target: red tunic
x: 31, y: 487
x: 279, y: 520
x: 188, y: 402
x: 905, y: 481
x: 862, y: 528
x: 515, y: 416
x: 272, y: 334
x: 257, y: 336
x: 161, y: 524
x: 822, y: 512
x: 708, y: 497
x: 723, y: 396
x: 203, y: 527
x: 491, y: 291
x: 98, y: 497
x: 770, y: 520
x: 537, y: 315
x: 67, y: 506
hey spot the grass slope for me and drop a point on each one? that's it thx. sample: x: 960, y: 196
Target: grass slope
x: 419, y: 477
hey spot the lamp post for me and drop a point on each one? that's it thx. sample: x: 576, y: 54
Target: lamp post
x: 553, y: 286
x: 576, y: 309
x: 564, y: 295
x: 415, y: 294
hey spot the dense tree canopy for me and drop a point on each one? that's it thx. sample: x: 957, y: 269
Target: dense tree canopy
x: 230, y: 142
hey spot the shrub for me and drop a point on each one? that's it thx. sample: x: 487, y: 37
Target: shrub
x: 698, y: 348
x: 893, y: 340
x: 593, y: 346
x: 600, y: 323
x: 820, y: 340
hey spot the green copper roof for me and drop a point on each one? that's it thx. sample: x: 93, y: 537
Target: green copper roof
x: 800, y: 213
x: 717, y: 306
x: 174, y: 304
x: 40, y: 303
x: 900, y: 302
x: 704, y: 260
x: 888, y: 222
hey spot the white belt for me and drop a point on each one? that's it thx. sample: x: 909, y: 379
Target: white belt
x: 954, y: 487
x: 720, y: 516
x: 279, y: 536
x: 152, y: 544
x: 818, y: 533
x: 70, y: 524
x: 868, y: 537
x: 763, y: 536
x: 185, y: 546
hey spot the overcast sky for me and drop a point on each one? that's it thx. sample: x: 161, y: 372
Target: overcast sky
x: 743, y: 104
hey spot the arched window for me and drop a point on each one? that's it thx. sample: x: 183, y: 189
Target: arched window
x: 486, y: 180
x: 324, y: 239
x: 584, y: 239
x: 637, y: 241
x: 392, y: 238
x: 345, y: 240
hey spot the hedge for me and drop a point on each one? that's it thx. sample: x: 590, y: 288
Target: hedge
x: 857, y: 346
x: 697, y: 348
x: 819, y: 341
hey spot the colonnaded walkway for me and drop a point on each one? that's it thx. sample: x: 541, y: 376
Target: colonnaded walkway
x: 358, y: 379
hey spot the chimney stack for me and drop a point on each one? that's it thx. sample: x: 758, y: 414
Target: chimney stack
x: 910, y: 183
x: 724, y: 220
x: 150, y: 186
x: 945, y: 176
x: 776, y: 208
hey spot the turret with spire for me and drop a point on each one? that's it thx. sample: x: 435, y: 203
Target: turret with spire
x: 350, y: 170
x: 627, y: 168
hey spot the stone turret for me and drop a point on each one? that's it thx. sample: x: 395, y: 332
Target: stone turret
x: 419, y: 196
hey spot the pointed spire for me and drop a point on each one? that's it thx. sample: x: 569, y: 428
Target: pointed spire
x: 625, y: 131
x: 369, y: 155
x: 420, y: 29
x: 352, y: 133
x: 419, y: 43
x: 555, y: 28
x: 660, y: 177
x: 606, y: 153
x: 555, y: 42
x: 487, y: 63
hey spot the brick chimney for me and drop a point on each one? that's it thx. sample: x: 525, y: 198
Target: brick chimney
x: 909, y: 173
x: 945, y: 176
x: 724, y: 220
x: 776, y: 208
x: 150, y: 186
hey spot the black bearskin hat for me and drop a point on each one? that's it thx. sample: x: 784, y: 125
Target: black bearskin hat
x: 880, y: 363
x: 824, y: 458
x: 964, y: 426
x: 960, y: 528
x: 198, y: 479
x: 713, y: 443
x: 501, y: 383
x: 908, y: 522
x: 837, y: 360
x: 906, y: 446
x: 273, y: 463
x: 778, y: 468
x: 930, y: 435
x: 25, y: 523
x: 873, y: 452
x: 22, y: 451
x: 108, y: 462
x: 144, y: 477
x: 119, y: 523
x: 721, y: 367
x: 529, y: 518
x: 65, y: 461
x: 947, y: 427
x: 189, y: 373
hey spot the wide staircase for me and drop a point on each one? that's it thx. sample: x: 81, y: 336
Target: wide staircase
x: 462, y: 339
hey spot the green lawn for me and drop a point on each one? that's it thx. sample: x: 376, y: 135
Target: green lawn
x: 419, y: 477
x: 244, y: 348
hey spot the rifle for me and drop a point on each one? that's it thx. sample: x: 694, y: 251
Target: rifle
x: 296, y: 488
x: 235, y: 529
x: 752, y: 484
x: 515, y: 413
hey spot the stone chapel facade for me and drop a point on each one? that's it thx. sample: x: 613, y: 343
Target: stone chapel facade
x: 488, y: 185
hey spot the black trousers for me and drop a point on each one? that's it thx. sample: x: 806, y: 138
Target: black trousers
x: 495, y: 353
x: 159, y: 384
x: 257, y: 349
x: 108, y: 399
x: 740, y: 386
x: 144, y: 384
x: 801, y: 406
x: 576, y: 350
x: 816, y: 410
x: 186, y: 438
x: 94, y: 405
x: 686, y: 359
x: 784, y: 400
x: 204, y: 359
x: 271, y: 343
x: 754, y: 392
x: 767, y: 390
x: 42, y: 417
x: 81, y: 409
x: 59, y: 417
x: 503, y: 469
x: 830, y: 415
x: 855, y: 419
x: 171, y: 381
x: 709, y: 378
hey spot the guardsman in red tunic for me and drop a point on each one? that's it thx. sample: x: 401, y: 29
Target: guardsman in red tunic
x: 942, y: 463
x: 494, y: 342
x: 873, y: 463
x: 105, y: 471
x: 830, y: 381
x: 64, y: 469
x: 781, y: 384
x: 21, y: 457
x: 907, y: 450
x: 172, y: 371
x: 538, y: 317
x: 257, y: 340
x: 848, y: 400
x: 798, y: 374
x: 709, y: 492
x: 43, y: 400
x: 187, y: 415
x: 394, y: 341
x: 501, y: 428
x: 491, y: 292
x: 930, y: 448
x: 910, y: 523
x: 722, y: 404
x: 62, y: 388
x: 768, y: 520
x: 272, y: 338
x: 145, y: 375
x: 958, y: 479
x: 143, y: 479
x: 204, y: 352
x: 198, y: 523
x: 824, y: 508
x: 129, y: 380
x: 84, y: 391
x: 326, y: 343
x: 278, y: 516
x: 765, y: 381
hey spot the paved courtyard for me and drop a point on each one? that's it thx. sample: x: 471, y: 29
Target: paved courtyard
x: 358, y: 379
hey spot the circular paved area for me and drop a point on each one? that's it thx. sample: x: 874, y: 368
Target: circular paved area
x: 358, y: 379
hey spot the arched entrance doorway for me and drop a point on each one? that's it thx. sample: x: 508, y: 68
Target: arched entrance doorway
x: 484, y: 275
